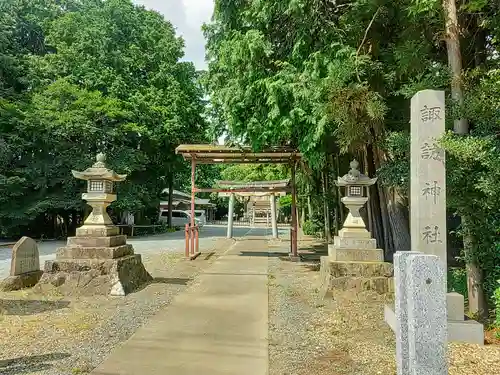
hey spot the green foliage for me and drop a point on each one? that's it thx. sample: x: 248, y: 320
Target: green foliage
x: 457, y: 281
x: 285, y: 205
x: 254, y: 172
x: 78, y: 77
x: 310, y: 228
x: 496, y: 298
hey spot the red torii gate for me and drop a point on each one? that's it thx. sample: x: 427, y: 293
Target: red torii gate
x: 218, y: 154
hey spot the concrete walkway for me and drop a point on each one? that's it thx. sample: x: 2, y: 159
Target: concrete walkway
x: 218, y: 326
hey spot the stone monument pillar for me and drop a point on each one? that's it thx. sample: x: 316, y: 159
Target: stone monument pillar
x: 98, y: 260
x: 428, y: 205
x: 353, y: 261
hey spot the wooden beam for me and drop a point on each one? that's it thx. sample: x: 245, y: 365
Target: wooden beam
x: 244, y: 190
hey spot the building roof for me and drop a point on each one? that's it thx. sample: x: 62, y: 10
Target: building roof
x: 217, y: 154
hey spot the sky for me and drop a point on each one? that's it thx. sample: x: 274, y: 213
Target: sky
x: 187, y: 16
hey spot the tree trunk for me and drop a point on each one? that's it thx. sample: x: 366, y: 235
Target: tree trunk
x: 309, y: 207
x: 398, y: 217
x: 477, y: 302
x: 461, y: 126
x: 339, y: 193
x: 170, y: 195
x: 328, y: 233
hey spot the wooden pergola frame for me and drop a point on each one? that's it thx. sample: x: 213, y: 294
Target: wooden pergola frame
x: 218, y: 154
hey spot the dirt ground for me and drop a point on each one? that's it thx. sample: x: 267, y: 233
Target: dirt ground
x: 343, y: 336
x: 56, y: 335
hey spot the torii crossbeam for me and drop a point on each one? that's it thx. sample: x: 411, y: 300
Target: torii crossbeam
x: 217, y: 154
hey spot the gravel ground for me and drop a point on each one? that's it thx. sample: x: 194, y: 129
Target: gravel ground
x: 54, y: 335
x: 346, y: 336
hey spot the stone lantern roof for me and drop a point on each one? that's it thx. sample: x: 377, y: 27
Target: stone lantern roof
x: 98, y: 171
x: 355, y: 177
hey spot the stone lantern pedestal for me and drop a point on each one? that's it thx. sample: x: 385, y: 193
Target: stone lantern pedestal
x: 98, y: 259
x: 354, y: 262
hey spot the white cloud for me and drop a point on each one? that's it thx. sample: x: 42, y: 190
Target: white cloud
x: 187, y: 16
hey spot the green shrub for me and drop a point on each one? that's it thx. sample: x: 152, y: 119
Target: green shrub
x: 496, y: 299
x: 310, y: 228
x: 457, y: 281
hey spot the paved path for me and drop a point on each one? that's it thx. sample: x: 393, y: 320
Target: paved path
x: 219, y: 326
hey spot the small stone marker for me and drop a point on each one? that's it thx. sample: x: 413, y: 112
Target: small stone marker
x: 25, y: 257
x: 421, y: 341
x: 401, y: 310
x: 25, y: 266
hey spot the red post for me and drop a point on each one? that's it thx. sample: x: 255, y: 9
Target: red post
x: 294, y: 213
x: 187, y: 240
x: 193, y: 188
x: 197, y: 231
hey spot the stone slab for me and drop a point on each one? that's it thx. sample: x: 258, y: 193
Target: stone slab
x: 466, y: 331
x: 354, y: 243
x: 18, y: 282
x: 455, y: 306
x: 25, y: 257
x: 363, y: 255
x: 110, y: 241
x: 97, y: 231
x: 427, y: 323
x: 94, y: 276
x: 76, y: 252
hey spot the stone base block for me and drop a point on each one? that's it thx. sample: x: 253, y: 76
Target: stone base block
x: 455, y: 306
x: 111, y: 241
x: 18, y: 282
x: 355, y: 276
x: 467, y: 331
x: 355, y: 268
x: 355, y: 233
x: 76, y: 252
x: 380, y: 285
x: 356, y: 255
x: 354, y: 243
x: 87, y: 277
x: 97, y: 231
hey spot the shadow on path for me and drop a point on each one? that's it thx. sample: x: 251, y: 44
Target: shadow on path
x: 29, y: 307
x: 30, y: 364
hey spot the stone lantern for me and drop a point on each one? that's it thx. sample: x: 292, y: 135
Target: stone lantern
x: 355, y: 184
x: 100, y: 194
x: 98, y: 259
x: 354, y: 263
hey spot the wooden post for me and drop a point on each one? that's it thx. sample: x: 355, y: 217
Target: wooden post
x: 193, y: 188
x: 187, y: 240
x: 294, y: 213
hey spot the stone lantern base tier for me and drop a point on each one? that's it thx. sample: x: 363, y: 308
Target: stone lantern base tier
x: 78, y: 252
x: 110, y: 241
x: 355, y: 276
x: 355, y: 255
x: 97, y: 231
x: 89, y: 277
